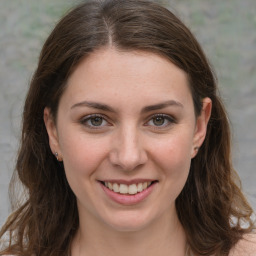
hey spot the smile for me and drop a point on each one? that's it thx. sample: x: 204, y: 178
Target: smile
x: 131, y: 189
x: 128, y: 192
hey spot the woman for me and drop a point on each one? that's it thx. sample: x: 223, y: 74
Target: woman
x: 126, y: 145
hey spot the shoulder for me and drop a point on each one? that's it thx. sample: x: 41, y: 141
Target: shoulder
x: 245, y: 247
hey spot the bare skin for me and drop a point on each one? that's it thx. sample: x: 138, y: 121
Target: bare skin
x: 126, y: 141
x: 127, y: 116
x: 245, y: 247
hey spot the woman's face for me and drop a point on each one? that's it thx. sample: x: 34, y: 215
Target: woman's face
x: 126, y: 131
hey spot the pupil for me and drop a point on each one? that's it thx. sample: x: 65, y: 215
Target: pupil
x: 96, y: 121
x: 158, y: 120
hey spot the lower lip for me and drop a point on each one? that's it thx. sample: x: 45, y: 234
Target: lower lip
x: 129, y: 199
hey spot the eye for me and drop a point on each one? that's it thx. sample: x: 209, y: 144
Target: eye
x: 161, y: 121
x: 94, y: 121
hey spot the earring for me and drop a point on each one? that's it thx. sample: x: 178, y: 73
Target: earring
x: 196, y: 148
x: 56, y: 155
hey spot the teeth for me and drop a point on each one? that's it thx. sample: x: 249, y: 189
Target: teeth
x: 110, y: 186
x: 133, y: 189
x: 127, y: 189
x: 139, y: 187
x: 115, y: 187
x: 123, y: 189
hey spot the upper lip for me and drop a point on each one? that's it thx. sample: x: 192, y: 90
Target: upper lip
x: 127, y: 182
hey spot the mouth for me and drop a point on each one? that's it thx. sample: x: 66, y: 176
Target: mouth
x: 128, y: 189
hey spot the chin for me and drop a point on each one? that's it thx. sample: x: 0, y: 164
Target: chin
x: 129, y: 221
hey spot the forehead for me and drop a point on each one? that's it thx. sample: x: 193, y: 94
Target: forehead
x: 109, y: 74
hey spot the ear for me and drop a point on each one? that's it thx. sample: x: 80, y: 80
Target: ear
x: 52, y: 133
x: 201, y: 126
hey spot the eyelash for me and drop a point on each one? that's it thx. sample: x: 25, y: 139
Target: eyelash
x: 86, y: 119
x: 167, y: 118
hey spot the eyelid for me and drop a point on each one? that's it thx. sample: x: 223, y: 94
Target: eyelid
x: 170, y: 119
x: 86, y: 118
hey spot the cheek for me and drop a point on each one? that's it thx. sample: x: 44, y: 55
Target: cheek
x: 81, y: 159
x: 81, y: 154
x: 174, y: 155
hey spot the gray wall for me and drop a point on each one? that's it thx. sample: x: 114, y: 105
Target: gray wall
x: 226, y: 29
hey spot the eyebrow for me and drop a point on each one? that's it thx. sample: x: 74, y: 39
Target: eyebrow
x: 107, y: 108
x: 96, y: 105
x: 162, y: 105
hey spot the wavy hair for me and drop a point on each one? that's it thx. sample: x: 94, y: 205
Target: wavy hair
x: 211, y: 203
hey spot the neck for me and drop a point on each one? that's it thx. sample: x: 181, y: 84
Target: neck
x: 164, y: 237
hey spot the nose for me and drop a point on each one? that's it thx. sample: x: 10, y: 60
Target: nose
x: 128, y: 152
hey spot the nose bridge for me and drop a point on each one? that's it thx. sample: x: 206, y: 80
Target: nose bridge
x: 128, y: 151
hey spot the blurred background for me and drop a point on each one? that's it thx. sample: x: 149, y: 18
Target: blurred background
x: 225, y: 29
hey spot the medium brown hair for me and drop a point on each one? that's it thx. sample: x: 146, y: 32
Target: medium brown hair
x: 210, y: 205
